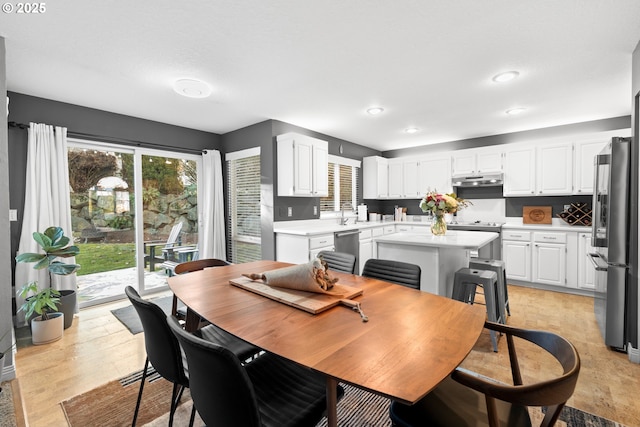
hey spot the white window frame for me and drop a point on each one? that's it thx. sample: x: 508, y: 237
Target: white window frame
x: 335, y: 161
x: 237, y: 155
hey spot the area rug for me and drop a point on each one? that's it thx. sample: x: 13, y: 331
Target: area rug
x: 129, y: 317
x: 7, y: 410
x: 113, y: 404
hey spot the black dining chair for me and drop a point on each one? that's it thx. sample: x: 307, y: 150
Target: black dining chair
x: 270, y: 391
x: 467, y: 398
x: 339, y: 261
x: 402, y: 273
x: 163, y: 350
x: 179, y: 310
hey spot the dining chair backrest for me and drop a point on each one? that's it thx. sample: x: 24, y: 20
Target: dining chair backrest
x: 161, y: 344
x: 339, y: 261
x: 402, y: 273
x: 461, y: 395
x: 200, y: 264
x: 220, y: 387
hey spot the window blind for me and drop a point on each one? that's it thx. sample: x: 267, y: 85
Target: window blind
x: 343, y: 187
x: 243, y: 192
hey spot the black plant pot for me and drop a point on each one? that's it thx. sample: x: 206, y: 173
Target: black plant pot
x: 67, y: 305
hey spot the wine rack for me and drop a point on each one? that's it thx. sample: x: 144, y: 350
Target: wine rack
x: 577, y: 214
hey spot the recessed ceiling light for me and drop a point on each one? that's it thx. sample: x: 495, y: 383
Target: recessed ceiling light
x: 375, y: 110
x: 411, y: 130
x: 514, y: 111
x: 505, y: 77
x: 192, y: 88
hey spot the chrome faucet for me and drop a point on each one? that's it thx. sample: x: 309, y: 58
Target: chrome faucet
x: 343, y: 220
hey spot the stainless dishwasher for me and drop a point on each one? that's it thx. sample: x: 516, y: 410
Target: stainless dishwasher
x: 348, y: 241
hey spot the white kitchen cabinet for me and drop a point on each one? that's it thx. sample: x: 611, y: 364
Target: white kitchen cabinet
x: 544, y: 170
x: 516, y: 253
x: 411, y: 179
x: 549, y: 263
x: 554, y: 169
x: 477, y: 161
x: 539, y: 257
x: 489, y: 159
x: 463, y: 162
x: 586, y: 269
x: 519, y: 171
x: 434, y: 174
x: 375, y: 177
x: 300, y: 249
x: 586, y: 149
x: 396, y: 178
x: 366, y: 247
x: 302, y: 166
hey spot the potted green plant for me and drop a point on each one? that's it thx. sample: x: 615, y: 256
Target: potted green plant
x: 54, y: 245
x: 48, y: 324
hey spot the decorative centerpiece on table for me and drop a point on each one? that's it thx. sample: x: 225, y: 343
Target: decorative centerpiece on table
x: 439, y: 204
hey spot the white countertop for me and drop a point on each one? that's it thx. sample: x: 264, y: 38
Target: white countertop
x: 557, y: 225
x: 454, y: 239
x: 314, y: 227
x: 325, y: 226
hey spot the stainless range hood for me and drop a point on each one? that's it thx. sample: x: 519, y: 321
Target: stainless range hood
x: 488, y: 180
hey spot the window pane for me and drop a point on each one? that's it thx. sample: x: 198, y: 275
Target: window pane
x: 328, y: 204
x: 346, y: 187
x: 244, y: 209
x: 343, y: 188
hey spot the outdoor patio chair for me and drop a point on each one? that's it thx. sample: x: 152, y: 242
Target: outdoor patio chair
x: 152, y: 258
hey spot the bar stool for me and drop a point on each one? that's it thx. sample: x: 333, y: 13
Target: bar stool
x: 498, y: 266
x: 465, y: 282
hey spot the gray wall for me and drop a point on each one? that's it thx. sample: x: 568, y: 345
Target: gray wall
x: 274, y: 208
x: 105, y: 126
x: 6, y: 294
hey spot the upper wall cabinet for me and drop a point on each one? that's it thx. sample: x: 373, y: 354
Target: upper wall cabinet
x: 551, y: 169
x: 396, y: 179
x: 554, y: 169
x: 519, y: 171
x: 477, y: 161
x: 375, y: 177
x: 302, y: 166
x: 538, y: 170
x: 585, y: 152
x: 434, y: 174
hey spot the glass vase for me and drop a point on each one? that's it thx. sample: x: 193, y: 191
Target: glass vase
x: 438, y: 226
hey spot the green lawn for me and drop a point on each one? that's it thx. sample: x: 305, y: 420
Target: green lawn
x: 99, y: 257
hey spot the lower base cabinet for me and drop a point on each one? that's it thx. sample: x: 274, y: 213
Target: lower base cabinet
x: 546, y: 258
x: 301, y: 249
x: 586, y: 269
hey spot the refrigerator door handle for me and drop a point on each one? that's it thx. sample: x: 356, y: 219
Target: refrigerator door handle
x: 598, y: 263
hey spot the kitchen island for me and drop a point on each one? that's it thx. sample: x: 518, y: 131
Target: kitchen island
x: 439, y: 257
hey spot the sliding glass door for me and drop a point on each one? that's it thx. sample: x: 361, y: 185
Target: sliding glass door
x: 134, y: 212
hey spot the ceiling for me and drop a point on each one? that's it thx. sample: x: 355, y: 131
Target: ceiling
x: 321, y: 64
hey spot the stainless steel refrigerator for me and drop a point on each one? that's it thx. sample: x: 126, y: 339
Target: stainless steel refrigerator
x: 611, y: 218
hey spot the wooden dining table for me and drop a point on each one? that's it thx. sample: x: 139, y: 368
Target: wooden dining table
x: 410, y: 343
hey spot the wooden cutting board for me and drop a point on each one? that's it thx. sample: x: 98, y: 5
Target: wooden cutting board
x: 536, y: 214
x: 308, y: 301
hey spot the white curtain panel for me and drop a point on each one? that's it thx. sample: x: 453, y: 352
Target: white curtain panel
x: 46, y: 203
x: 213, y: 244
